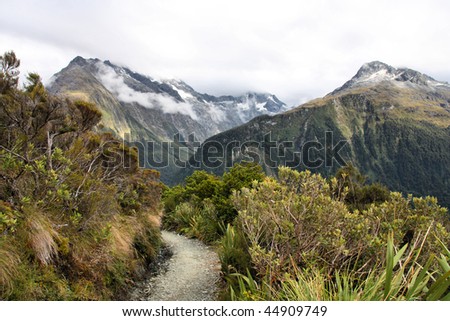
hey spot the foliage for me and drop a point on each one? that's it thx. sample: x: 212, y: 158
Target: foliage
x: 357, y: 194
x: 400, y: 277
x: 200, y: 207
x: 240, y: 175
x: 299, y: 219
x: 78, y: 218
x: 303, y: 236
x: 233, y: 252
x: 9, y: 72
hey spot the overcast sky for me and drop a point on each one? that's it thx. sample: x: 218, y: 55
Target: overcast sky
x: 295, y: 49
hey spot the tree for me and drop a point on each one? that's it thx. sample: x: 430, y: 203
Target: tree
x: 202, y: 207
x: 9, y: 73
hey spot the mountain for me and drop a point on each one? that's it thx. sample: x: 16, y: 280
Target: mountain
x: 393, y: 124
x: 147, y: 108
x: 157, y: 115
x: 373, y: 73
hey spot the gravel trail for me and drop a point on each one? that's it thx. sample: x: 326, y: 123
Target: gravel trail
x: 191, y: 274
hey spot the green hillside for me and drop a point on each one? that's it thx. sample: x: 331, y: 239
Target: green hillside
x: 396, y: 133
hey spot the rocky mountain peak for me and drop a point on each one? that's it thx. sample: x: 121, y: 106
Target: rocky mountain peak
x: 372, y: 68
x: 78, y: 60
x: 406, y: 74
x: 375, y: 72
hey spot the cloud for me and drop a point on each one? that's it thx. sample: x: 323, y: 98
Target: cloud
x: 115, y: 83
x: 215, y: 113
x: 294, y: 49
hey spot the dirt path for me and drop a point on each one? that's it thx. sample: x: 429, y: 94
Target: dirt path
x: 192, y: 273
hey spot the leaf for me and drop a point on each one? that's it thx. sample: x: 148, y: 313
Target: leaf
x: 439, y: 287
x: 443, y: 263
x: 419, y: 281
x: 391, y: 262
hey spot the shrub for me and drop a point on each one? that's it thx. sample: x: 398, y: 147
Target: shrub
x: 233, y: 252
x: 78, y: 218
x: 203, y: 204
x: 399, y: 277
x: 298, y: 223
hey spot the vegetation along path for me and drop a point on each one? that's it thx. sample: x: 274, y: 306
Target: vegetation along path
x: 192, y: 273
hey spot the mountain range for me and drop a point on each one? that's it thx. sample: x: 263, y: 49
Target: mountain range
x: 148, y: 109
x: 157, y: 116
x: 393, y: 124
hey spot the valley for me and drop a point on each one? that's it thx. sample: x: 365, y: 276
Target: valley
x: 392, y: 124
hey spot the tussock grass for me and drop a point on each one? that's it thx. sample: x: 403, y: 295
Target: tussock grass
x: 9, y: 267
x: 41, y: 236
x: 122, y: 241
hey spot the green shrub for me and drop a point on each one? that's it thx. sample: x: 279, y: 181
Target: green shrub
x: 299, y: 219
x: 300, y: 232
x: 198, y: 208
x: 399, y: 278
x: 233, y: 252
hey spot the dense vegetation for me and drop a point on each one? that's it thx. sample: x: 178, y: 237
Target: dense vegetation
x: 303, y: 237
x: 78, y: 219
x: 202, y: 207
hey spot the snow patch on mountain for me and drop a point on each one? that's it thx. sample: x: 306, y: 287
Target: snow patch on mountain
x: 376, y: 72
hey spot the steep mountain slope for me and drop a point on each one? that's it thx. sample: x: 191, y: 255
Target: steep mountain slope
x: 149, y: 109
x: 157, y: 116
x: 393, y: 124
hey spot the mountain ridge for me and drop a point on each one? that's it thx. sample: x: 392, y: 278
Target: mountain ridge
x: 164, y: 113
x: 129, y: 87
x: 376, y: 71
x: 396, y: 125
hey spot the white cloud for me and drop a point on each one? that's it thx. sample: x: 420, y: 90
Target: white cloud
x: 115, y: 83
x: 295, y: 49
x: 215, y: 113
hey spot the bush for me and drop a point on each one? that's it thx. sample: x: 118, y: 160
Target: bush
x: 233, y: 252
x: 400, y: 277
x: 78, y: 218
x: 298, y: 224
x: 203, y: 204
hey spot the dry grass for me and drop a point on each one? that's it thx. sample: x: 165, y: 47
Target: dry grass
x: 41, y: 237
x: 122, y: 236
x: 9, y: 262
x: 155, y: 220
x: 78, y: 95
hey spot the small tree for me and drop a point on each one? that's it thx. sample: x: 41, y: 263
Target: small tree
x: 9, y: 72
